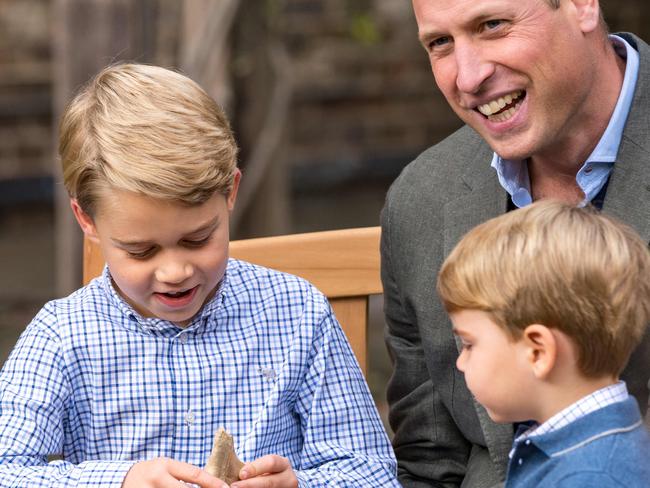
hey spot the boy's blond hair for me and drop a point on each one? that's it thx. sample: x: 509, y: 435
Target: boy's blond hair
x: 572, y: 269
x: 147, y: 130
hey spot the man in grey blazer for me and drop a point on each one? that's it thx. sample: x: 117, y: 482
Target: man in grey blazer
x: 554, y: 108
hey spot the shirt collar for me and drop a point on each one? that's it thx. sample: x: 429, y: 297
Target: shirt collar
x: 598, y: 399
x: 513, y: 174
x: 202, y: 321
x: 568, y: 416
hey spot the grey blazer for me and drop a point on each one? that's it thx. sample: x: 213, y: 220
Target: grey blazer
x: 442, y: 436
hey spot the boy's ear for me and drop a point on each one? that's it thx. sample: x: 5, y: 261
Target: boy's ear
x: 541, y: 349
x: 84, y: 220
x: 232, y: 196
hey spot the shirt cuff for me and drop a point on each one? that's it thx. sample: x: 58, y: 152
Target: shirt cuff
x: 108, y: 474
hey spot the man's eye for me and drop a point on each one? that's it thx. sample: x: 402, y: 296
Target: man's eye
x: 439, y: 42
x: 492, y: 24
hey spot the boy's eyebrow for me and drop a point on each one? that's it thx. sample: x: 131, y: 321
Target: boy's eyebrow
x: 208, y: 227
x: 459, y: 332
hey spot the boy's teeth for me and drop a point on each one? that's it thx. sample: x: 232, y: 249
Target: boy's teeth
x: 175, y: 293
x: 494, y: 106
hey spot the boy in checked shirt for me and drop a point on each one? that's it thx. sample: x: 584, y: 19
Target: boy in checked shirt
x: 128, y: 378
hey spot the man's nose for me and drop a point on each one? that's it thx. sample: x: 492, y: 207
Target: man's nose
x: 472, y: 67
x: 174, y: 270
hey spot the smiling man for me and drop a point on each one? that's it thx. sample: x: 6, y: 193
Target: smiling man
x: 554, y: 107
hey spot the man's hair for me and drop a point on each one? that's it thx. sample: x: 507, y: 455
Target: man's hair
x: 568, y: 268
x: 147, y: 130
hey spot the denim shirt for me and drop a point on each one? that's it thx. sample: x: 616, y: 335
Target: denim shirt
x: 607, y: 448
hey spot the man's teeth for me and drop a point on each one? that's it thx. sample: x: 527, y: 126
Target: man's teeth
x: 491, y: 108
x: 500, y: 117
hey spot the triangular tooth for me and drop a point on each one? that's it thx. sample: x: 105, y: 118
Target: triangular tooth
x: 223, y: 461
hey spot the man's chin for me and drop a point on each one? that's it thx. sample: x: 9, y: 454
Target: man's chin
x: 512, y: 146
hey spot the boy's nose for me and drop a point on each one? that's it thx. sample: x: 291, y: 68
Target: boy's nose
x: 174, y: 272
x: 460, y: 363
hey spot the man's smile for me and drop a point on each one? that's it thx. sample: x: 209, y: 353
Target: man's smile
x: 502, y: 108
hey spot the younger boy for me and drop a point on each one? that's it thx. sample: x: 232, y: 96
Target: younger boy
x: 175, y: 340
x: 548, y: 302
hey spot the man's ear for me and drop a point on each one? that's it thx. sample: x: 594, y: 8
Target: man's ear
x: 587, y: 14
x: 84, y: 220
x: 232, y: 196
x: 541, y: 349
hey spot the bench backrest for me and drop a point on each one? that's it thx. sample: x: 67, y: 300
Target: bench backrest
x: 343, y: 264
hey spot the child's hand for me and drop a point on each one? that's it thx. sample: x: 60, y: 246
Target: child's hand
x: 267, y: 472
x: 168, y: 473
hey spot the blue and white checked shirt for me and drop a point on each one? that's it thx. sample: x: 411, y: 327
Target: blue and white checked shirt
x: 93, y: 381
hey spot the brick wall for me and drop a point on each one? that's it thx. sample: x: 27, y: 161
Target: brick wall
x: 25, y: 89
x: 364, y: 101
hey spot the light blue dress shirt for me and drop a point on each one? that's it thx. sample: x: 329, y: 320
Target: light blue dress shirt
x: 95, y: 382
x: 592, y: 176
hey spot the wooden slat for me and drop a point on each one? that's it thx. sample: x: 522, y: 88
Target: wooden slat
x: 340, y: 263
x: 352, y: 314
x: 343, y: 264
x: 93, y: 261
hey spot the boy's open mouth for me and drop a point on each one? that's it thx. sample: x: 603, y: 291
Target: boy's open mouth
x: 502, y: 108
x: 177, y: 298
x: 178, y: 294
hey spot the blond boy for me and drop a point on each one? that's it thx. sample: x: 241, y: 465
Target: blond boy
x: 547, y: 303
x: 129, y: 378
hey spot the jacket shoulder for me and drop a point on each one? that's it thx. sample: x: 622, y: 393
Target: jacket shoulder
x: 435, y: 175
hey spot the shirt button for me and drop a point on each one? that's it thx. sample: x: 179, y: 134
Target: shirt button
x: 190, y: 417
x: 528, y: 442
x: 588, y: 169
x: 520, y: 462
x: 183, y: 338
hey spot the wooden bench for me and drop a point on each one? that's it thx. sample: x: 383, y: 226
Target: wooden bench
x: 343, y: 264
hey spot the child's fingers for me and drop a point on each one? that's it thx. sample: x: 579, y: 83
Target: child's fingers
x: 266, y: 464
x: 267, y: 472
x: 193, y: 474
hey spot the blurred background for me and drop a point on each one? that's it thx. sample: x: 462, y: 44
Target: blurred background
x: 329, y: 100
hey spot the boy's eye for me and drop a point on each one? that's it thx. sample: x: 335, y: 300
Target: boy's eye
x: 197, y: 242
x: 466, y: 346
x: 144, y: 254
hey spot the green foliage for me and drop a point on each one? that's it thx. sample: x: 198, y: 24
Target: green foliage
x: 364, y: 29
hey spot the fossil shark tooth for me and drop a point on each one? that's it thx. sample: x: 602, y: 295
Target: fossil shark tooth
x: 223, y: 462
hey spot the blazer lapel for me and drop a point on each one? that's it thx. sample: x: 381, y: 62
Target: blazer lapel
x: 628, y: 192
x: 485, y: 200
